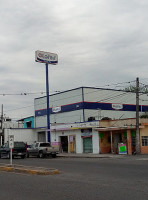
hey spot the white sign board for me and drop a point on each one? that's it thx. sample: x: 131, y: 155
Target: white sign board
x: 46, y: 57
x: 11, y: 141
x: 117, y: 106
x: 56, y: 109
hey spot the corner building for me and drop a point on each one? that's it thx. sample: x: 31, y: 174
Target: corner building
x: 75, y: 116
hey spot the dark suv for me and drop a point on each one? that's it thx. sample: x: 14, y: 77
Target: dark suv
x: 19, y: 150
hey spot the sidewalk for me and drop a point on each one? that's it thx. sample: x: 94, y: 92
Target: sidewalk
x: 89, y: 155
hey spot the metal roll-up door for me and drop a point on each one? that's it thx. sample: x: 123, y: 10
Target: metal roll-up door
x: 87, y: 145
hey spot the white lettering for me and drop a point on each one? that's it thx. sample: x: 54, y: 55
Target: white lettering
x: 117, y: 106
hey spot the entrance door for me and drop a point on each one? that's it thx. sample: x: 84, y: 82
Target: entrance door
x: 87, y: 145
x: 64, y: 144
x: 72, y: 143
x: 41, y: 137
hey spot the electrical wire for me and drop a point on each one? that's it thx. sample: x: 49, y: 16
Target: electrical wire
x: 109, y: 98
x: 24, y: 93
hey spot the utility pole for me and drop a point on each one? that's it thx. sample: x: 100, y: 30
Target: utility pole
x: 1, y: 135
x: 137, y: 117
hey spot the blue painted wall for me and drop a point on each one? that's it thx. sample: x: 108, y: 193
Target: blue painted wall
x: 31, y: 119
x: 91, y: 106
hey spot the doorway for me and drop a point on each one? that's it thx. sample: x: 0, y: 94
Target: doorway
x: 64, y: 144
x: 41, y: 136
x: 87, y: 145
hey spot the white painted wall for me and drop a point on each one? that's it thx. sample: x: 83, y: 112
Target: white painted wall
x: 28, y: 136
x: 55, y: 137
x: 95, y: 141
x: 109, y: 96
x: 79, y: 142
x: 67, y: 117
x: 109, y: 113
x: 41, y: 121
x: 59, y: 99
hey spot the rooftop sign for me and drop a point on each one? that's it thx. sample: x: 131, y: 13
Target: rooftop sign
x: 117, y: 106
x: 46, y: 57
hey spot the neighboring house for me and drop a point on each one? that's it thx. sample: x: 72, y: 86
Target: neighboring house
x: 114, y: 132
x: 28, y: 122
x: 8, y: 123
x: 23, y: 130
x: 26, y: 135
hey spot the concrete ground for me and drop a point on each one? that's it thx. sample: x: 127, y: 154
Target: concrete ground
x: 93, y: 178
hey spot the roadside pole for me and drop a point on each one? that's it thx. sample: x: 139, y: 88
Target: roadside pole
x: 11, y: 146
x: 1, y: 137
x: 137, y: 117
x: 11, y: 156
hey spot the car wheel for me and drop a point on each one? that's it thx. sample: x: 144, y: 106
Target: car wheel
x: 27, y: 154
x: 54, y: 155
x: 0, y: 156
x: 41, y: 155
x: 23, y: 156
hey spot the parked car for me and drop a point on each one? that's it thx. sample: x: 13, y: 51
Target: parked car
x: 19, y: 150
x: 42, y: 149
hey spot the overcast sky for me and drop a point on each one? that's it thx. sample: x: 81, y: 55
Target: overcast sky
x: 98, y: 42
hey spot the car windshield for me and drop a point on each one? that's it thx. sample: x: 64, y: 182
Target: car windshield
x: 44, y: 144
x: 5, y: 145
x: 19, y: 144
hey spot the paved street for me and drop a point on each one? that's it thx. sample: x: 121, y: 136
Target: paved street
x: 79, y: 178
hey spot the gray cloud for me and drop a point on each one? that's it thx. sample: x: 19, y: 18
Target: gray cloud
x: 98, y: 42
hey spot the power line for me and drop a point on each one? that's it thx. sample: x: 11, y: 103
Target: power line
x: 42, y: 92
x: 108, y: 97
x: 117, y: 83
x: 23, y: 93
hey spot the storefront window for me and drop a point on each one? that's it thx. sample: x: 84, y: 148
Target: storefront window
x: 144, y: 140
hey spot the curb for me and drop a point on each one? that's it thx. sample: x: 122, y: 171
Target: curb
x: 28, y: 169
x: 90, y: 156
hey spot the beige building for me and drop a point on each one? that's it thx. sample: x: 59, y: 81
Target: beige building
x: 123, y: 131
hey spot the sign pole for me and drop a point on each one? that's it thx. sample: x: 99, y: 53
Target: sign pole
x: 11, y: 146
x: 48, y: 109
x: 47, y: 58
x: 11, y: 156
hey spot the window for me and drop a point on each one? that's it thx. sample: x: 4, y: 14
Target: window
x: 144, y: 140
x: 28, y: 124
x: 44, y: 144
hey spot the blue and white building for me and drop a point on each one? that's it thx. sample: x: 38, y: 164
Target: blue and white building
x: 82, y: 106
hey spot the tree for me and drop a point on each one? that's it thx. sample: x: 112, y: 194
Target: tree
x: 132, y: 88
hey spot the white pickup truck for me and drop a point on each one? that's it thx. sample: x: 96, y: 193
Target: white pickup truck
x: 42, y: 149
